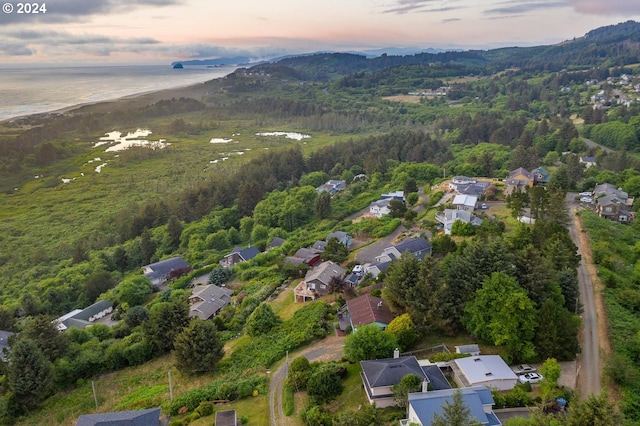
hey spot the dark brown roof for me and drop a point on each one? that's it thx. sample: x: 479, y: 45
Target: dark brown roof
x: 368, y: 309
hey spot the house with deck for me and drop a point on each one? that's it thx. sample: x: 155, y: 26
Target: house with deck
x: 317, y: 282
x: 465, y: 202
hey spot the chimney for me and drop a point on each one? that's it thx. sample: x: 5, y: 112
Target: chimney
x: 380, y: 304
x: 425, y: 385
x: 396, y: 353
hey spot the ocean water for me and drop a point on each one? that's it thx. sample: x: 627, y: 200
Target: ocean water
x: 25, y: 91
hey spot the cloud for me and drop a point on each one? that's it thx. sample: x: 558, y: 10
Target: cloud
x: 423, y: 6
x: 451, y: 20
x: 76, y: 10
x: 606, y: 7
x: 523, y: 6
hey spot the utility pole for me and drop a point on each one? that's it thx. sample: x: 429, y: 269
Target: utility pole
x: 95, y: 397
x: 170, y: 387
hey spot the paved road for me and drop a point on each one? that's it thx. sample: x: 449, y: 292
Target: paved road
x: 327, y: 349
x: 592, y: 144
x: 588, y: 365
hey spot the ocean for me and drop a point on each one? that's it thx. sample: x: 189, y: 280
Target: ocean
x: 33, y: 90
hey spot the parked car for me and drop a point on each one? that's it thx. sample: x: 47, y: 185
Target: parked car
x: 530, y: 377
x: 523, y: 368
x: 586, y: 200
x: 585, y: 194
x: 483, y: 206
x: 358, y: 270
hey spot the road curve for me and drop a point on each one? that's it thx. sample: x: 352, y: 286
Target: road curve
x: 588, y: 366
x: 327, y: 349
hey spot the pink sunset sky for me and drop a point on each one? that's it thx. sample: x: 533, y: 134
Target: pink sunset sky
x: 162, y: 31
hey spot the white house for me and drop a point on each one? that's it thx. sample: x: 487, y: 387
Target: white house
x: 485, y: 370
x: 465, y: 202
x: 450, y: 216
x: 380, y: 208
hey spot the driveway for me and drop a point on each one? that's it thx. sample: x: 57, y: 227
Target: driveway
x: 367, y: 254
x: 327, y: 349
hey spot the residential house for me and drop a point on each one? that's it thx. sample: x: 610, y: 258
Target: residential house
x: 540, y: 176
x: 227, y: 418
x: 485, y: 370
x: 395, y: 195
x: 319, y: 246
x: 4, y: 344
x: 317, y: 282
x: 207, y: 300
x: 380, y: 208
x: 149, y: 417
x: 449, y: 216
x: 364, y: 310
x: 342, y: 237
x: 519, y: 180
x: 473, y: 350
x: 416, y: 247
x: 376, y: 268
x: 238, y: 255
x: 158, y: 273
x: 609, y: 189
x: 276, y: 242
x: 332, y: 186
x: 82, y: 318
x: 610, y: 207
x: 588, y: 161
x: 309, y: 257
x: 476, y: 189
x: 380, y: 375
x: 456, y: 181
x: 423, y: 406
x: 465, y: 202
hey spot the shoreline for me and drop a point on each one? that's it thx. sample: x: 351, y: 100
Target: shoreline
x: 153, y: 93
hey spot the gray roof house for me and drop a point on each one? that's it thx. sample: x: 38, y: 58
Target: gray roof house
x: 342, y: 237
x: 332, y: 186
x: 316, y: 282
x: 82, y: 318
x: 158, y: 272
x: 422, y: 406
x: 150, y: 417
x: 380, y: 375
x: 238, y: 255
x: 207, y: 300
x: 417, y: 247
x: 376, y: 268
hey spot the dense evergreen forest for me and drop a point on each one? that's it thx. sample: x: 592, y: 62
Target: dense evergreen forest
x: 67, y: 245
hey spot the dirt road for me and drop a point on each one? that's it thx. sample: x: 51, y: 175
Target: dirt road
x: 593, y: 334
x: 327, y: 349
